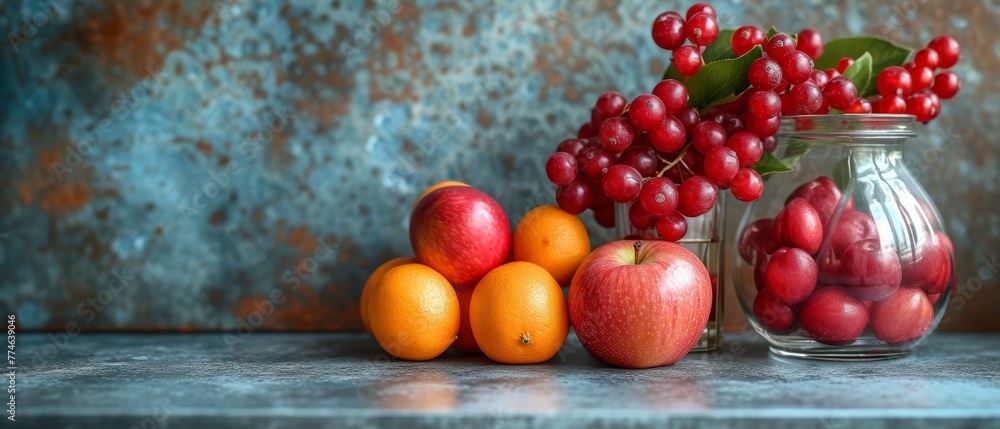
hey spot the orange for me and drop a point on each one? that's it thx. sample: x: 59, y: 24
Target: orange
x: 413, y: 312
x: 466, y: 342
x: 518, y: 314
x: 366, y: 293
x: 552, y: 239
x: 437, y: 186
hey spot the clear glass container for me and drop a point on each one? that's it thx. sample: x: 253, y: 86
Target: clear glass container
x: 704, y: 239
x: 845, y: 257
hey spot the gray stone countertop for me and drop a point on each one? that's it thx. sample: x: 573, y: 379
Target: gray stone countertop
x: 345, y: 381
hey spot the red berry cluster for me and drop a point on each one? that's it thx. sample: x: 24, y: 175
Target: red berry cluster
x: 875, y: 287
x: 914, y: 89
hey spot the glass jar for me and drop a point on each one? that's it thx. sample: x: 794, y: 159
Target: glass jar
x: 846, y: 256
x: 704, y: 239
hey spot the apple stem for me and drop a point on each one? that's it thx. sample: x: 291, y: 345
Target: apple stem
x: 637, y: 246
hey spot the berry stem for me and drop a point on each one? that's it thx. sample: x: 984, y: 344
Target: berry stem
x: 670, y: 164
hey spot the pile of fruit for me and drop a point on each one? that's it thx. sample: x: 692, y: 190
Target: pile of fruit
x: 473, y: 285
x: 834, y: 286
x: 710, y: 124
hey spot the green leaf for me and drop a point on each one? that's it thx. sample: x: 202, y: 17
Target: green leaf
x: 861, y: 74
x: 884, y: 52
x: 772, y: 31
x: 720, y: 79
x: 720, y: 49
x: 770, y: 164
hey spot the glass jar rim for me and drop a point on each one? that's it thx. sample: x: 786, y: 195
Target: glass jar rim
x: 849, y: 126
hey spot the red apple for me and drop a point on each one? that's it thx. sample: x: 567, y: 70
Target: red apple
x: 905, y: 315
x: 771, y: 312
x: 756, y: 238
x: 868, y: 269
x: 640, y: 304
x: 833, y: 316
x: 798, y: 225
x: 927, y: 265
x: 791, y: 275
x: 461, y: 232
x: 823, y: 195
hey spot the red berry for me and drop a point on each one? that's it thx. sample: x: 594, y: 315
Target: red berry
x: 852, y: 227
x: 747, y: 186
x: 894, y: 80
x: 762, y: 127
x: 561, y: 168
x: 572, y: 146
x: 575, y: 197
x: 780, y: 45
x: 922, y: 77
x: 811, y: 43
x: 585, y: 131
x: 775, y: 315
x: 770, y: 143
x: 822, y: 194
x: 641, y: 158
x: 670, y: 136
x: 860, y: 106
x: 755, y: 240
x: 658, y: 196
x: 819, y: 78
x: 610, y: 104
x: 646, y: 112
x: 702, y: 29
x: 621, y: 183
x: 697, y: 196
x: 833, y: 316
x: 700, y: 8
x: 765, y: 74
x: 605, y: 216
x: 840, y: 92
x: 733, y: 126
x: 638, y: 217
x: 721, y: 165
x: 844, y: 63
x: 892, y: 104
x: 947, y: 49
x: 707, y: 135
x: 689, y: 117
x: 616, y: 134
x: 745, y: 38
x: 798, y: 225
x: 687, y: 60
x: 747, y: 146
x: 668, y: 31
x: 946, y: 85
x: 796, y: 67
x: 791, y: 275
x: 673, y: 94
x: 671, y: 227
x: 926, y: 57
x: 714, y: 115
x: 832, y: 73
x: 869, y: 270
x: 594, y: 162
x: 921, y: 106
x: 764, y: 104
x: 807, y: 98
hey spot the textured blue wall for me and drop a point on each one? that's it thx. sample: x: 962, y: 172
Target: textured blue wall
x: 180, y: 162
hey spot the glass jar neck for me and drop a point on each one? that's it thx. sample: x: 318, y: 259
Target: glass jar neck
x: 877, y: 132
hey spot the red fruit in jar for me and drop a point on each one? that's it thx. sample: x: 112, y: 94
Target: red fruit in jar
x: 798, y: 225
x: 791, y: 274
x: 833, y: 316
x: 852, y: 227
x: 759, y: 266
x: 905, y: 315
x: 867, y: 269
x: 756, y: 238
x: 927, y: 266
x: 771, y: 312
x: 822, y: 194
